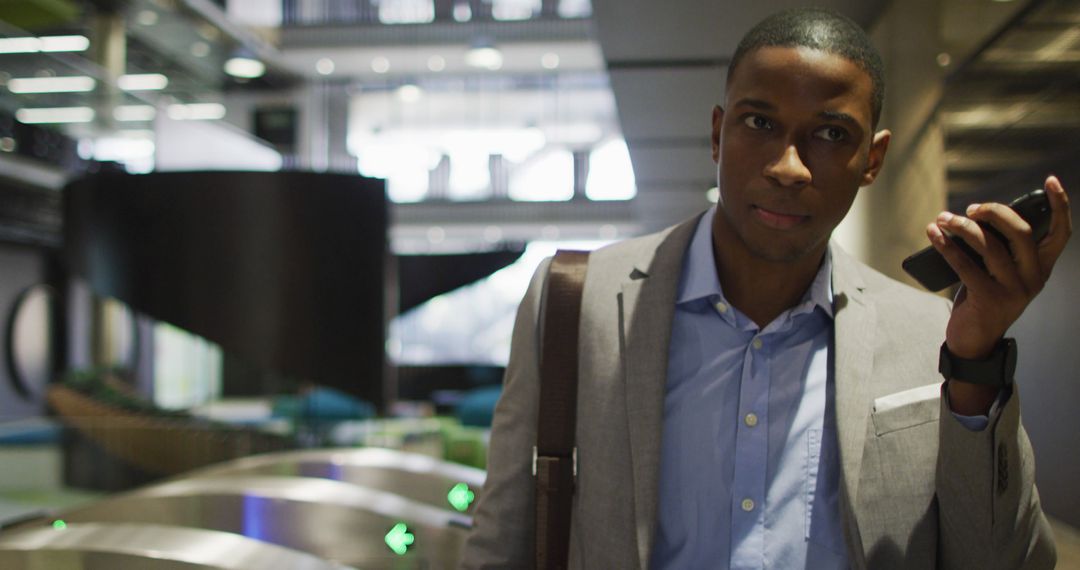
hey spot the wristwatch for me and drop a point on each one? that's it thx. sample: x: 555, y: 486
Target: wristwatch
x: 994, y: 370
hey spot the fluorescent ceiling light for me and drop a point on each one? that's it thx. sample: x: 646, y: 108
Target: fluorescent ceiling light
x: 197, y: 112
x: 20, y: 45
x: 73, y: 84
x: 48, y: 43
x: 143, y: 82
x: 485, y: 57
x: 409, y: 93
x: 134, y: 113
x: 64, y: 43
x: 244, y: 67
x: 55, y: 115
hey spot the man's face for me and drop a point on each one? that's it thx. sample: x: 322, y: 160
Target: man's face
x: 793, y: 144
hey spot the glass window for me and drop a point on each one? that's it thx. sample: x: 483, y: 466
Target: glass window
x: 406, y: 11
x: 611, y: 176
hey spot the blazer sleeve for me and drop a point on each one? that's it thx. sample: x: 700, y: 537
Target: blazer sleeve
x: 502, y: 533
x: 990, y: 515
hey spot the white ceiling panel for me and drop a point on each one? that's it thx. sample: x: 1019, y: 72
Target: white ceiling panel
x: 667, y: 103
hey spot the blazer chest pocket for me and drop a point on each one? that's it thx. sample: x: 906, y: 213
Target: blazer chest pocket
x: 907, y: 409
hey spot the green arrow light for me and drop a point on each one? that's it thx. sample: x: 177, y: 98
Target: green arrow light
x: 461, y: 497
x: 59, y: 524
x: 399, y: 538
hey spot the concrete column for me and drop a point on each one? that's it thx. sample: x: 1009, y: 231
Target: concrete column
x: 888, y: 220
x: 109, y: 51
x: 324, y: 129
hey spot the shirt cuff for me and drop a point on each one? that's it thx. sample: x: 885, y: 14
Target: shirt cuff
x: 977, y: 423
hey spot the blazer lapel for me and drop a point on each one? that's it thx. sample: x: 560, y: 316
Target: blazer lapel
x: 854, y: 330
x: 646, y: 310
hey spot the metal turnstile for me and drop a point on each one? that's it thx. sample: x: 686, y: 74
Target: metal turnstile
x: 109, y: 546
x: 417, y: 477
x: 337, y: 521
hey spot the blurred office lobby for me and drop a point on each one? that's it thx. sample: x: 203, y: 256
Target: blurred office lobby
x: 260, y: 259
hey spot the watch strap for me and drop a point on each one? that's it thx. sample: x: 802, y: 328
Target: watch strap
x: 994, y: 370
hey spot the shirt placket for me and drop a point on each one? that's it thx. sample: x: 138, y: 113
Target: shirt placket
x: 751, y: 459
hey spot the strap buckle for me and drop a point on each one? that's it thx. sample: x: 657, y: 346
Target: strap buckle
x: 573, y: 463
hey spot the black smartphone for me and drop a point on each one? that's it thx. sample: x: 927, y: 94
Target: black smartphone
x: 933, y: 272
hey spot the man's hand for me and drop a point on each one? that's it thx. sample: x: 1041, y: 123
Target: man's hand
x: 991, y: 300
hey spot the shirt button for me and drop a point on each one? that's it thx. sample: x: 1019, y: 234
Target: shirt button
x: 747, y: 505
x: 756, y: 343
x: 751, y: 419
x: 721, y: 307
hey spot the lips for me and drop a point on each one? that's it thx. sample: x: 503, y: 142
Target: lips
x: 778, y: 220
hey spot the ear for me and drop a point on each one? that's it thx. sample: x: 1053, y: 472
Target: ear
x: 876, y: 158
x: 717, y: 120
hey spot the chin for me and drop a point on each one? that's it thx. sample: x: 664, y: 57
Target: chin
x: 776, y: 251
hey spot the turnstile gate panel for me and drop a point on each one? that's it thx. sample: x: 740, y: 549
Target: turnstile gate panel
x: 414, y: 476
x: 108, y: 546
x: 337, y: 521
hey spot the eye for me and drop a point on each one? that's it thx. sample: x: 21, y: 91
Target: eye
x: 831, y: 134
x: 757, y: 122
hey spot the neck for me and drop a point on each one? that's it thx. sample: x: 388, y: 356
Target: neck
x: 761, y: 289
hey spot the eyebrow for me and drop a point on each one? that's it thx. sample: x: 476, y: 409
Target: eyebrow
x: 756, y: 104
x: 838, y: 116
x: 827, y: 115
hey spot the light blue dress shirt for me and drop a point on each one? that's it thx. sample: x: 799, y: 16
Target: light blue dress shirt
x: 748, y: 475
x: 749, y: 471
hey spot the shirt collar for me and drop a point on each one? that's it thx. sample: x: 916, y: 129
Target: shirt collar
x: 700, y: 279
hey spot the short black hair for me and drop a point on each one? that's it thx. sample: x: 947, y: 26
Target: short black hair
x: 822, y: 30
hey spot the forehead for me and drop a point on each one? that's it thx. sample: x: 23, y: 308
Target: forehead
x: 791, y: 77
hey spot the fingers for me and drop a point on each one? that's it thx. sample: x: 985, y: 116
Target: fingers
x: 1024, y: 260
x: 971, y: 275
x: 1060, y: 225
x: 1023, y: 264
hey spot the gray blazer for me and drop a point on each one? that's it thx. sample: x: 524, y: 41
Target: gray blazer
x: 918, y: 490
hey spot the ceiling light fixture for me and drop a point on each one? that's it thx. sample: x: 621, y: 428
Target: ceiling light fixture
x: 196, y: 112
x: 325, y: 66
x: 64, y: 43
x: 72, y: 84
x: 55, y: 115
x: 436, y: 63
x: 484, y: 55
x: 45, y: 44
x: 550, y: 60
x: 147, y: 17
x: 409, y: 93
x: 143, y: 82
x: 380, y: 65
x: 243, y: 64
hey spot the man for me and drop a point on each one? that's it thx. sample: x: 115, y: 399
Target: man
x: 752, y: 397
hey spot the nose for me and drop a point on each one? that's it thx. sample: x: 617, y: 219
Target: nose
x: 789, y: 169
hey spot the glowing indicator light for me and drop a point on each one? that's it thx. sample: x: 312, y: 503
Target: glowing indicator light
x: 461, y: 497
x: 399, y: 538
x: 59, y: 524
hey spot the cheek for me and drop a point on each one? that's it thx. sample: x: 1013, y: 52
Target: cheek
x: 836, y: 166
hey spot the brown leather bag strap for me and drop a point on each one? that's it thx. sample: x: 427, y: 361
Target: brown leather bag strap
x: 555, y: 456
